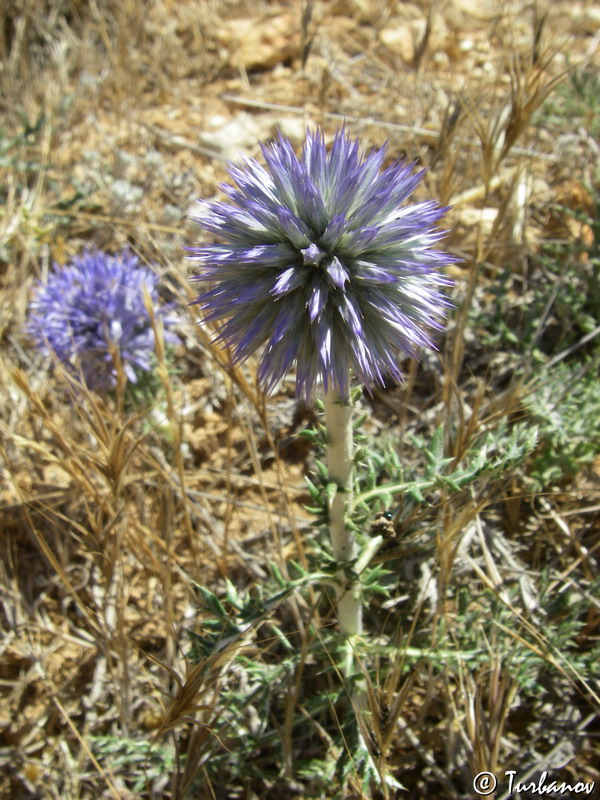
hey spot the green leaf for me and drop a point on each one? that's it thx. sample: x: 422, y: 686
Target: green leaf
x: 212, y: 602
x: 310, y: 434
x: 322, y: 468
x: 316, y: 511
x: 331, y: 489
x: 359, y: 422
x: 277, y: 574
x: 415, y: 492
x: 313, y: 490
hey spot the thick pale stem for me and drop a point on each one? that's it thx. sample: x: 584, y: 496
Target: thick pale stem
x: 338, y: 420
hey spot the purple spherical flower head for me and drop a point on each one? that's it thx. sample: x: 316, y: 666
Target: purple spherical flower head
x: 323, y: 265
x: 93, y: 307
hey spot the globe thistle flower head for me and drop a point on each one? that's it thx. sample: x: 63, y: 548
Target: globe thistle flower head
x: 323, y: 264
x: 93, y: 308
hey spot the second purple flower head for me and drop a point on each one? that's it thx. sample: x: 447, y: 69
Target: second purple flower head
x: 93, y: 308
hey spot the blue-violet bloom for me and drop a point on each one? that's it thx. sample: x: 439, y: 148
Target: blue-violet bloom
x: 94, y: 307
x: 323, y: 264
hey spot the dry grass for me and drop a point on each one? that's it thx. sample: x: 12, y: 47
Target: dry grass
x: 117, y: 116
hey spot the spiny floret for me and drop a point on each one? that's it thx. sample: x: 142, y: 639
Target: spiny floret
x: 322, y: 265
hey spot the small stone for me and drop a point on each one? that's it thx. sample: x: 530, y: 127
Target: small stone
x: 123, y: 164
x: 237, y: 135
x: 127, y: 198
x: 171, y: 214
x: 153, y: 161
x: 475, y: 8
x: 292, y: 127
x: 399, y: 40
x: 477, y: 217
x: 264, y: 44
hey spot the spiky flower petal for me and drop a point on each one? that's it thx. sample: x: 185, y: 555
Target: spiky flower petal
x: 322, y: 264
x: 92, y: 309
